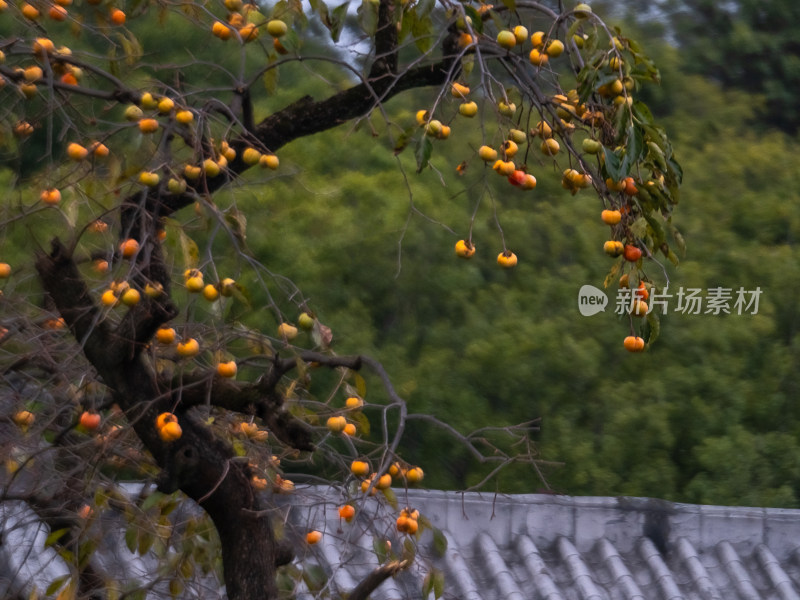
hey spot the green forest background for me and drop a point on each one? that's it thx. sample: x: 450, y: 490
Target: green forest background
x: 709, y: 414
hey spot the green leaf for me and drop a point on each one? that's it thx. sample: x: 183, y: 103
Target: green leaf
x: 573, y: 29
x: 315, y: 577
x: 362, y: 421
x: 652, y: 327
x: 438, y: 583
x: 270, y: 79
x: 361, y: 385
x: 613, y: 163
x: 56, y: 585
x: 423, y: 152
x: 672, y: 257
x: 101, y: 498
x: 402, y: 141
x: 132, y: 48
x: 131, y: 539
x: 282, y: 10
x: 679, y: 241
x: 391, y: 498
x: 427, y: 584
x: 367, y: 17
x: 423, y: 33
x: 612, y: 274
x: 425, y: 7
x: 113, y: 67
x: 337, y: 20
x: 189, y: 249
x: 642, y: 112
x: 85, y: 552
x: 439, y: 542
x: 477, y: 19
x: 468, y: 64
x: 634, y: 150
x: 638, y: 228
x: 659, y: 235
x: 409, y: 550
x: 380, y: 548
x: 676, y: 168
x: 238, y: 222
x: 146, y: 540
x: 55, y: 536
x: 152, y: 500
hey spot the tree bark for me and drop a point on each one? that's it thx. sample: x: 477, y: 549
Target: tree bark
x: 199, y: 464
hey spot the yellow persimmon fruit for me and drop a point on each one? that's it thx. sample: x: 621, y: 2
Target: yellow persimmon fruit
x: 148, y: 125
x: 188, y: 348
x: 210, y: 292
x: 287, y: 331
x: 184, y: 116
x: 194, y: 284
x: 50, y: 196
x: 354, y: 402
x: 165, y: 335
x: 129, y: 248
x: 507, y: 259
x: 359, y: 468
x: 227, y: 369
x: 131, y: 297
x: 76, y: 151
x: 312, y: 537
x: 170, y: 432
x: 465, y: 249
x: 336, y: 424
x: 414, y: 475
x: 269, y: 161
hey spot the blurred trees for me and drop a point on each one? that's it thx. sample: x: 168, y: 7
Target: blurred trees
x: 643, y: 426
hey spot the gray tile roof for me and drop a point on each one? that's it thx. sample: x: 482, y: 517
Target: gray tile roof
x: 529, y: 547
x: 565, y: 548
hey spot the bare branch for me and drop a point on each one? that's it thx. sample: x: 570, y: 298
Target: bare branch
x: 371, y: 582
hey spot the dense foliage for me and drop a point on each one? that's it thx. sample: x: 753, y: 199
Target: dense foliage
x: 706, y: 416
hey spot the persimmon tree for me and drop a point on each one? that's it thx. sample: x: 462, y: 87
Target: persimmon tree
x: 127, y: 353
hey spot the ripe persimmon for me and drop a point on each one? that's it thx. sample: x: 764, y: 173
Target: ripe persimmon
x: 639, y: 308
x: 507, y: 259
x: 227, y: 369
x: 347, y: 512
x: 611, y: 217
x: 359, y: 468
x: 129, y: 248
x: 641, y: 292
x: 633, y: 344
x: 76, y: 151
x: 89, y: 420
x: 414, y: 475
x: 188, y: 348
x: 465, y: 249
x: 165, y: 335
x: 312, y: 537
x: 50, y: 196
x: 632, y: 253
x: 630, y: 188
x: 117, y: 16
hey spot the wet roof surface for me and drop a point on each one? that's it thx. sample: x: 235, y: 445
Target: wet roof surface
x: 527, y: 547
